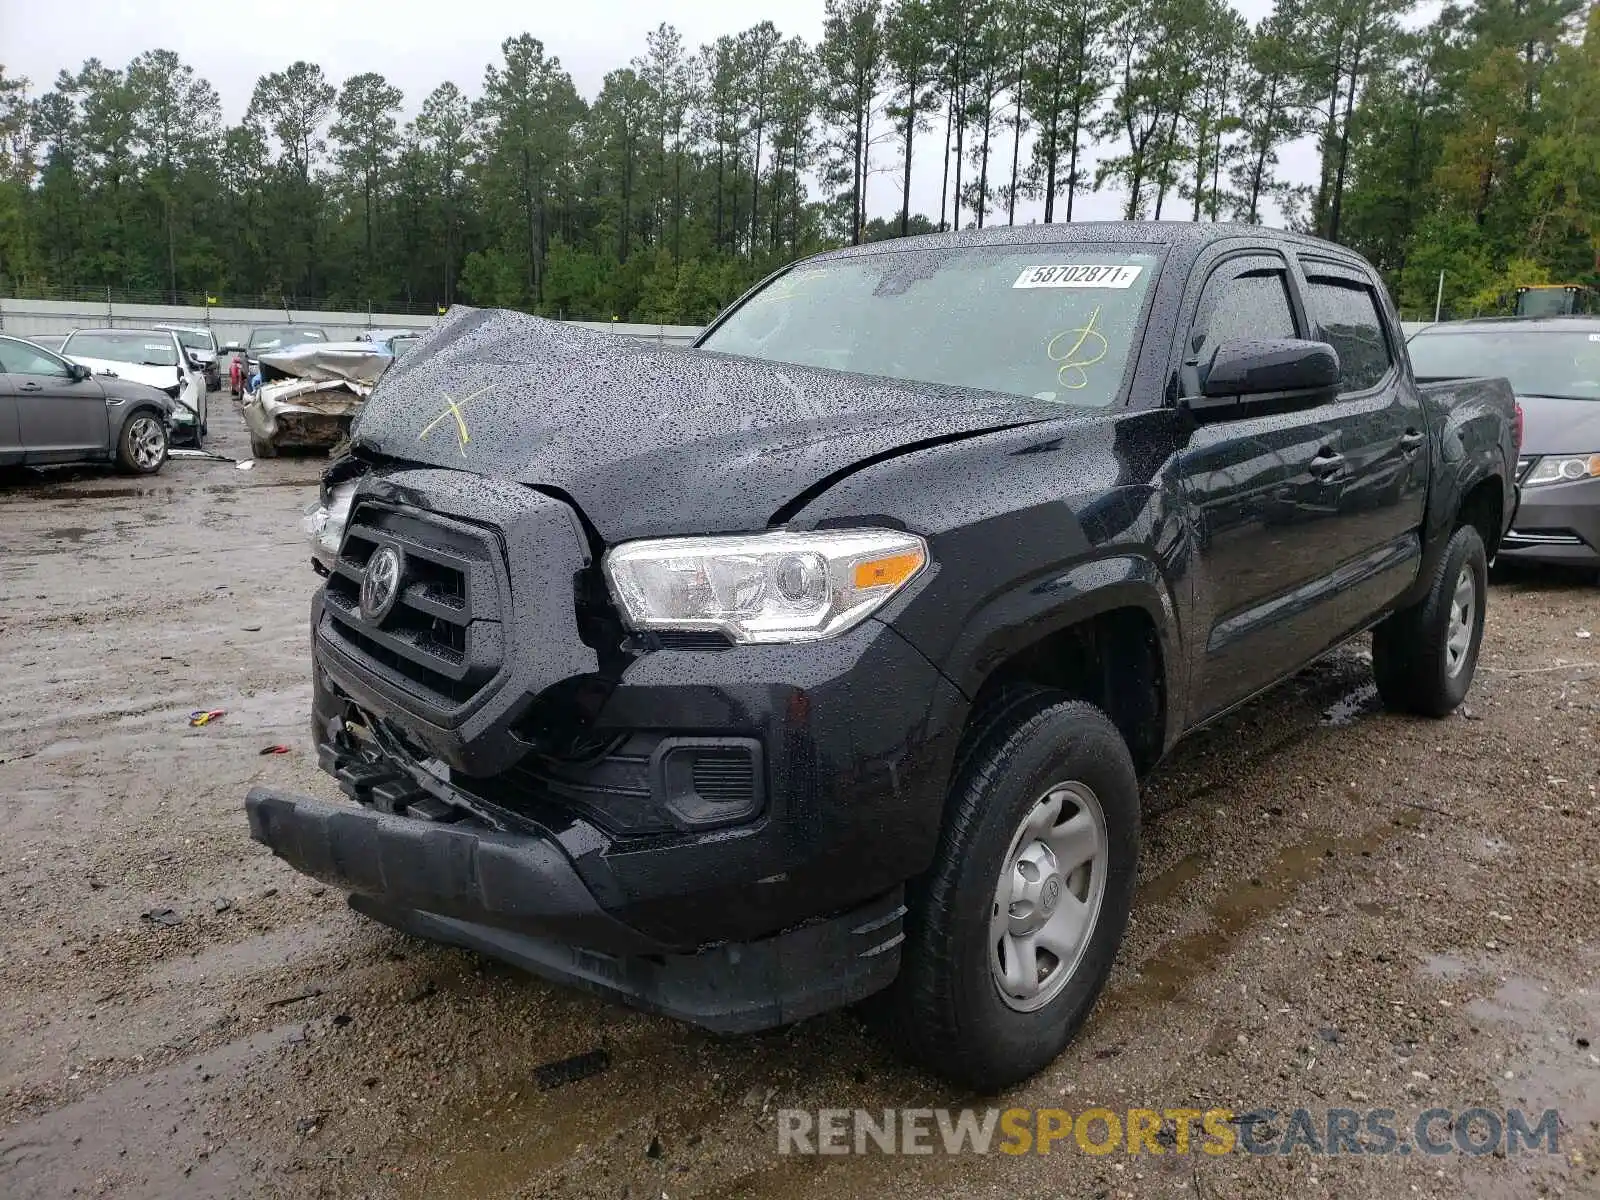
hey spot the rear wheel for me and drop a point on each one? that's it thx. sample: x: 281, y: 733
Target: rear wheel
x: 142, y: 446
x: 262, y: 449
x: 1011, y: 935
x: 1424, y: 657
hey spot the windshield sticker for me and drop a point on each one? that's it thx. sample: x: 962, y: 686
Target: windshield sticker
x: 1081, y: 275
x: 452, y: 408
x: 1088, y: 348
x: 1594, y: 337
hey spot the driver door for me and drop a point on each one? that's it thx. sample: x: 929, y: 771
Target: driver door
x: 60, y: 417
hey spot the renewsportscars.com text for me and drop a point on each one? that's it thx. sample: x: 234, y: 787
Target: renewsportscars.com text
x: 1215, y: 1131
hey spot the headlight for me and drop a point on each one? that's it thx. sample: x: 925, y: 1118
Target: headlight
x: 1569, y: 469
x: 324, y: 523
x: 767, y: 587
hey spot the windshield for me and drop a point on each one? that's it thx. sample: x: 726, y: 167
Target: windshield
x: 276, y: 337
x: 1538, y: 362
x: 400, y: 345
x: 1052, y: 322
x: 145, y: 349
x: 194, y: 339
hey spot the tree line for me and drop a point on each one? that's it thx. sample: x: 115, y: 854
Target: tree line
x: 1469, y: 145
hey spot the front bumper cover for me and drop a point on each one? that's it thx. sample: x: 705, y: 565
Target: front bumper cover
x: 517, y: 898
x: 1556, y: 523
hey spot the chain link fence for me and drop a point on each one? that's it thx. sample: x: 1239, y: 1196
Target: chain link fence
x: 111, y: 297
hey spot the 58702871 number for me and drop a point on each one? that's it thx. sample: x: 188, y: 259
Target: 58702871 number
x: 1079, y: 275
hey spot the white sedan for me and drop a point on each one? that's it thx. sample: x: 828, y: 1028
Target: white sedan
x: 151, y: 356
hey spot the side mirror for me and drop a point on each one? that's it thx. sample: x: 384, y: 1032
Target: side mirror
x: 78, y: 371
x: 1253, y: 369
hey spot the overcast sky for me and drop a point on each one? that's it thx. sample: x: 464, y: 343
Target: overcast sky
x: 419, y: 44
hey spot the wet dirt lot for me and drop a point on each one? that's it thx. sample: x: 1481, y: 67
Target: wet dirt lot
x: 1338, y: 908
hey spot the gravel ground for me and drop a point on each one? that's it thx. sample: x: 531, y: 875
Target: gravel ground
x: 1338, y: 908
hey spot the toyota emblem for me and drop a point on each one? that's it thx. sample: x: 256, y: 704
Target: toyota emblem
x: 1050, y: 894
x: 380, y: 586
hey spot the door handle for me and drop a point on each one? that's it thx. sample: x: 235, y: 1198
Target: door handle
x: 31, y: 387
x: 1411, y: 440
x: 1326, y: 465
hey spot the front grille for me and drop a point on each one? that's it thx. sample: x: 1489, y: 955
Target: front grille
x: 441, y: 641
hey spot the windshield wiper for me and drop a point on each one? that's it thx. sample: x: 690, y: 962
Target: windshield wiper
x: 1553, y: 396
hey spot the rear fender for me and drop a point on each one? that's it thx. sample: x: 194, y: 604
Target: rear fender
x: 1473, y: 445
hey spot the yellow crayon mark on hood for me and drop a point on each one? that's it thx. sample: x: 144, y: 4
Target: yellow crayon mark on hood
x: 452, y: 409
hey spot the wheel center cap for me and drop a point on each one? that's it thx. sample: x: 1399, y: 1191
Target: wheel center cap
x: 1035, y: 888
x: 1050, y: 894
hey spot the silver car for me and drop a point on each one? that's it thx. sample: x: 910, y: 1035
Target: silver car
x: 55, y: 411
x: 1553, y: 364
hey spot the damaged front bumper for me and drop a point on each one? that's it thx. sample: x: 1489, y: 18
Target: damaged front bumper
x: 516, y: 897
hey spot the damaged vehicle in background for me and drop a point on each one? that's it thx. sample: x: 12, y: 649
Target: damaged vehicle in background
x: 203, y: 350
x: 395, y: 341
x: 273, y: 337
x: 309, y: 395
x: 154, y: 357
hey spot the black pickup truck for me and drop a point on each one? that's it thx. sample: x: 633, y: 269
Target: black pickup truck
x: 824, y: 659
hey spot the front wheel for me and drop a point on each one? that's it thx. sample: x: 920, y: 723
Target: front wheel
x: 1424, y: 657
x: 142, y: 447
x: 1012, y: 934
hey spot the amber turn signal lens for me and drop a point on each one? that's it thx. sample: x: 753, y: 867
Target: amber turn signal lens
x: 889, y: 571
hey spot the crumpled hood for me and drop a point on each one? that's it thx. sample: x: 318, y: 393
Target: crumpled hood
x: 156, y: 377
x: 1552, y: 426
x: 355, y: 362
x: 650, y: 441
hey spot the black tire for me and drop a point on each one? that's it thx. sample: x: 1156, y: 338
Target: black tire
x: 946, y: 1008
x: 1414, y: 665
x: 142, y: 444
x: 260, y: 449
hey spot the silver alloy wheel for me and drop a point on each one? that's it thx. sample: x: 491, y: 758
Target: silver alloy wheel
x: 1047, y: 900
x: 1463, y: 616
x: 146, y: 443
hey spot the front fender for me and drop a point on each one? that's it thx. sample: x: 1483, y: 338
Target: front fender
x: 1032, y: 609
x: 1031, y: 530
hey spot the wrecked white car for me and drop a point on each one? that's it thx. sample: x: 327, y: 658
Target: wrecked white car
x: 310, y: 394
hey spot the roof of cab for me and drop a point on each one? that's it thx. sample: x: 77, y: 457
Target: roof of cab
x: 1192, y: 236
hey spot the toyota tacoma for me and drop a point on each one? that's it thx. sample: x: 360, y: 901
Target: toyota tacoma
x: 824, y: 659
